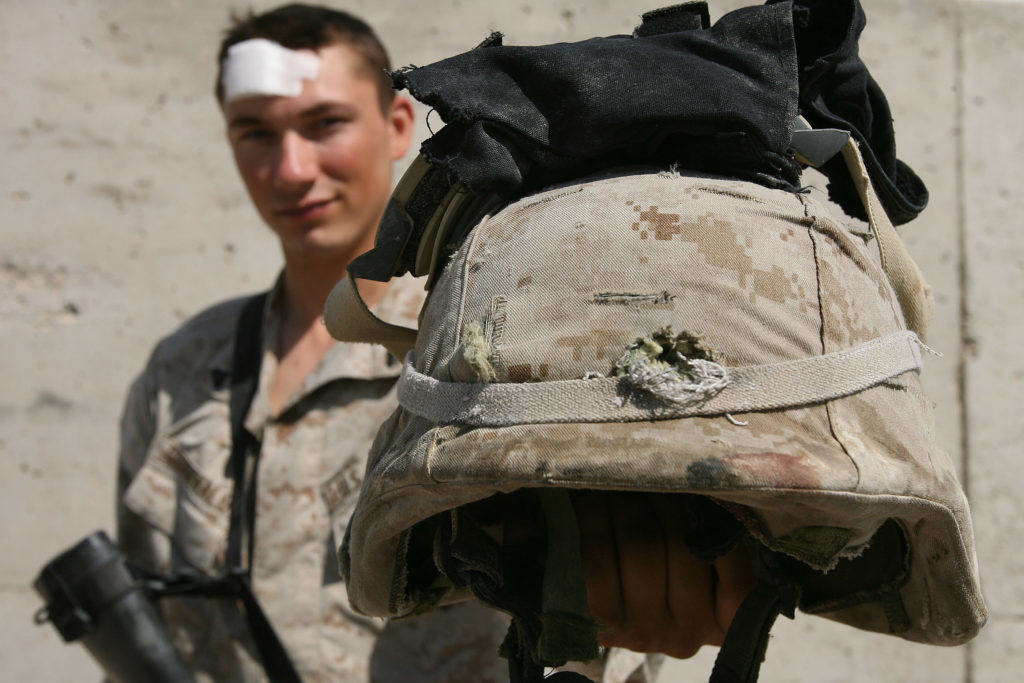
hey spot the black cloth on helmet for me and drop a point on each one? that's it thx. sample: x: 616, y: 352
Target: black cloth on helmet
x: 718, y: 99
x: 837, y: 91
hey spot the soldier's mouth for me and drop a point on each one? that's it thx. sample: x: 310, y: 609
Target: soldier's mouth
x: 307, y: 210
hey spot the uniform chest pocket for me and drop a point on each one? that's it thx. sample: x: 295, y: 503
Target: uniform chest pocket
x: 183, y: 491
x: 340, y: 492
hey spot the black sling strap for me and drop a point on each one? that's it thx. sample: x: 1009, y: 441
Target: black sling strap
x: 245, y: 450
x: 245, y: 376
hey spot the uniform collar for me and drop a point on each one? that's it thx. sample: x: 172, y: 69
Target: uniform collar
x: 343, y: 361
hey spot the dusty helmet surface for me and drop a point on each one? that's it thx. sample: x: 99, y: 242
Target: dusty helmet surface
x: 671, y: 333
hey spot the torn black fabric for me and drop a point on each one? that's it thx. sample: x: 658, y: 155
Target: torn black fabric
x: 718, y: 99
x: 837, y: 91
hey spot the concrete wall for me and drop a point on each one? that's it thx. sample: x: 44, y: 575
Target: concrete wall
x: 121, y: 215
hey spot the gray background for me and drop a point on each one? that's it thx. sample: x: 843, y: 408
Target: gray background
x: 122, y: 215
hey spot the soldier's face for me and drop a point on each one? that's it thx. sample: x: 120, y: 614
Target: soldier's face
x: 318, y: 166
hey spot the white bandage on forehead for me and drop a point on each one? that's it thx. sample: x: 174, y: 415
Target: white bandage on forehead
x: 262, y: 67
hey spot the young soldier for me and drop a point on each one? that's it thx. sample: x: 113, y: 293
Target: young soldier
x: 314, y: 127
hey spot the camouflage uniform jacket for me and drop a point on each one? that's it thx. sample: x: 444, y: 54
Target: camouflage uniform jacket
x: 174, y: 498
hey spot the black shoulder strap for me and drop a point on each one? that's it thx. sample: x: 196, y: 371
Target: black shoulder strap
x: 245, y: 374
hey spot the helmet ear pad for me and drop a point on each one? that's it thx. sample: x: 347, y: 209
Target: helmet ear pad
x: 876, y: 575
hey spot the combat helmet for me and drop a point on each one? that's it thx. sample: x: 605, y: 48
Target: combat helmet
x: 650, y: 329
x: 680, y: 334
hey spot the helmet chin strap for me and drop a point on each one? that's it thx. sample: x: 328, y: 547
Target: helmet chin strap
x: 912, y: 291
x: 814, y: 147
x: 348, y: 319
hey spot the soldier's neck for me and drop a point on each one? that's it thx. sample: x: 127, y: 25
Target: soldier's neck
x: 303, y: 340
x: 309, y: 279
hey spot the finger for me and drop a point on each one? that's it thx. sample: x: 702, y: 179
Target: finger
x: 642, y: 562
x: 640, y: 540
x: 691, y: 591
x: 735, y: 581
x: 599, y: 556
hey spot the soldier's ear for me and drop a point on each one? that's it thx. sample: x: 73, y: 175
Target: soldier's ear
x: 401, y: 117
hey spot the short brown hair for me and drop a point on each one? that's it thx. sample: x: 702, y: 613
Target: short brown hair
x: 310, y: 27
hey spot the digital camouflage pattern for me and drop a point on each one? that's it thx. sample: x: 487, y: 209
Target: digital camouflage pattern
x: 174, y: 498
x: 562, y: 283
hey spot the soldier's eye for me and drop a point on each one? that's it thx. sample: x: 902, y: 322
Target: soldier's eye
x: 328, y: 124
x: 256, y: 135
